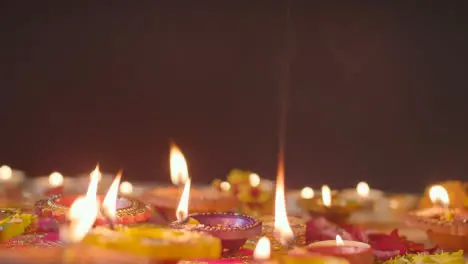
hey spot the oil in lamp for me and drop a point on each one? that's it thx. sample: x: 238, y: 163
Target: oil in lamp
x: 445, y: 226
x: 203, y: 200
x: 129, y: 210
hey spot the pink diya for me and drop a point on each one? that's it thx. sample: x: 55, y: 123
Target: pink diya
x: 233, y: 229
x: 129, y: 210
x: 355, y: 252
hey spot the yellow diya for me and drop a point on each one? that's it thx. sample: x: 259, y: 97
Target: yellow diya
x: 456, y: 190
x: 157, y: 243
x: 14, y: 223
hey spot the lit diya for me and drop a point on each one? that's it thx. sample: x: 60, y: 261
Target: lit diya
x: 128, y: 210
x: 445, y: 226
x: 353, y: 251
x: 233, y: 229
x: 362, y: 194
x: 202, y: 200
x: 330, y: 207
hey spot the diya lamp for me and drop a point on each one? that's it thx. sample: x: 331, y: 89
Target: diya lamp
x: 10, y: 181
x: 256, y: 198
x: 232, y: 229
x: 284, y: 232
x: 332, y: 208
x: 447, y: 227
x: 363, y: 195
x: 353, y: 251
x: 301, y: 255
x: 129, y: 210
x: 165, y: 199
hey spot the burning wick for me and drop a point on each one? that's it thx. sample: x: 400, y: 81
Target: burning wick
x: 126, y: 188
x: 439, y: 195
x: 225, y: 186
x: 109, y: 204
x: 5, y: 173
x: 363, y: 189
x: 307, y: 193
x: 182, y: 209
x: 178, y: 165
x: 254, y: 180
x: 55, y: 179
x: 326, y: 195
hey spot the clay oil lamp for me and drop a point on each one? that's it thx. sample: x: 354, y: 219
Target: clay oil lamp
x: 284, y: 232
x: 257, y: 197
x: 363, y: 195
x: 10, y: 182
x: 353, y: 251
x: 303, y: 256
x: 330, y: 207
x: 232, y: 229
x: 202, y: 200
x: 445, y: 226
x: 129, y: 210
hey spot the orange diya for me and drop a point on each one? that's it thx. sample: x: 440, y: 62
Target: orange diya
x: 202, y: 200
x: 329, y: 206
x: 128, y: 210
x: 445, y: 226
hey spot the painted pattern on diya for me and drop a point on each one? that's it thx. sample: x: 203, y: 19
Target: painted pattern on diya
x: 33, y: 240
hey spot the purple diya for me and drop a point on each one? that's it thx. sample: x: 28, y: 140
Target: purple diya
x: 233, y: 229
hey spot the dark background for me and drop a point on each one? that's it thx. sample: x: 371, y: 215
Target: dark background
x: 377, y: 93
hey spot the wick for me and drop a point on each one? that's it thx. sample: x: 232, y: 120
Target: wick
x: 108, y: 219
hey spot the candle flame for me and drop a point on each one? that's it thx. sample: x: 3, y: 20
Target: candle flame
x: 254, y: 179
x: 225, y: 186
x: 182, y: 209
x: 179, y: 169
x: 438, y: 194
x: 95, y: 177
x: 263, y: 249
x: 326, y: 195
x: 282, y: 228
x: 82, y: 215
x: 5, y: 172
x: 126, y: 188
x: 109, y: 204
x: 339, y: 240
x: 55, y: 179
x: 307, y: 193
x: 363, y: 189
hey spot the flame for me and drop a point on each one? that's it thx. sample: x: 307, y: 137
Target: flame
x: 182, y: 209
x: 109, y: 204
x: 307, y: 193
x: 179, y: 169
x: 254, y: 179
x: 55, y: 179
x: 5, y: 172
x: 363, y: 189
x: 439, y: 194
x: 225, y: 186
x: 82, y: 215
x: 339, y: 240
x: 126, y: 188
x: 282, y: 228
x: 263, y: 249
x: 95, y: 177
x: 326, y: 195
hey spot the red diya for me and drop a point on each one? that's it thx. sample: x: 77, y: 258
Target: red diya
x: 129, y: 210
x: 355, y: 252
x: 233, y: 229
x: 329, y: 207
x: 448, y: 228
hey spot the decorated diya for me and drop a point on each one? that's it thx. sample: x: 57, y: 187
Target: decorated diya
x: 156, y: 243
x: 129, y: 210
x: 445, y: 226
x: 330, y: 207
x: 233, y: 229
x: 13, y: 223
x: 298, y: 226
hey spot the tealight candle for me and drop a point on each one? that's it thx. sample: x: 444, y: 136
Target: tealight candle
x: 355, y: 252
